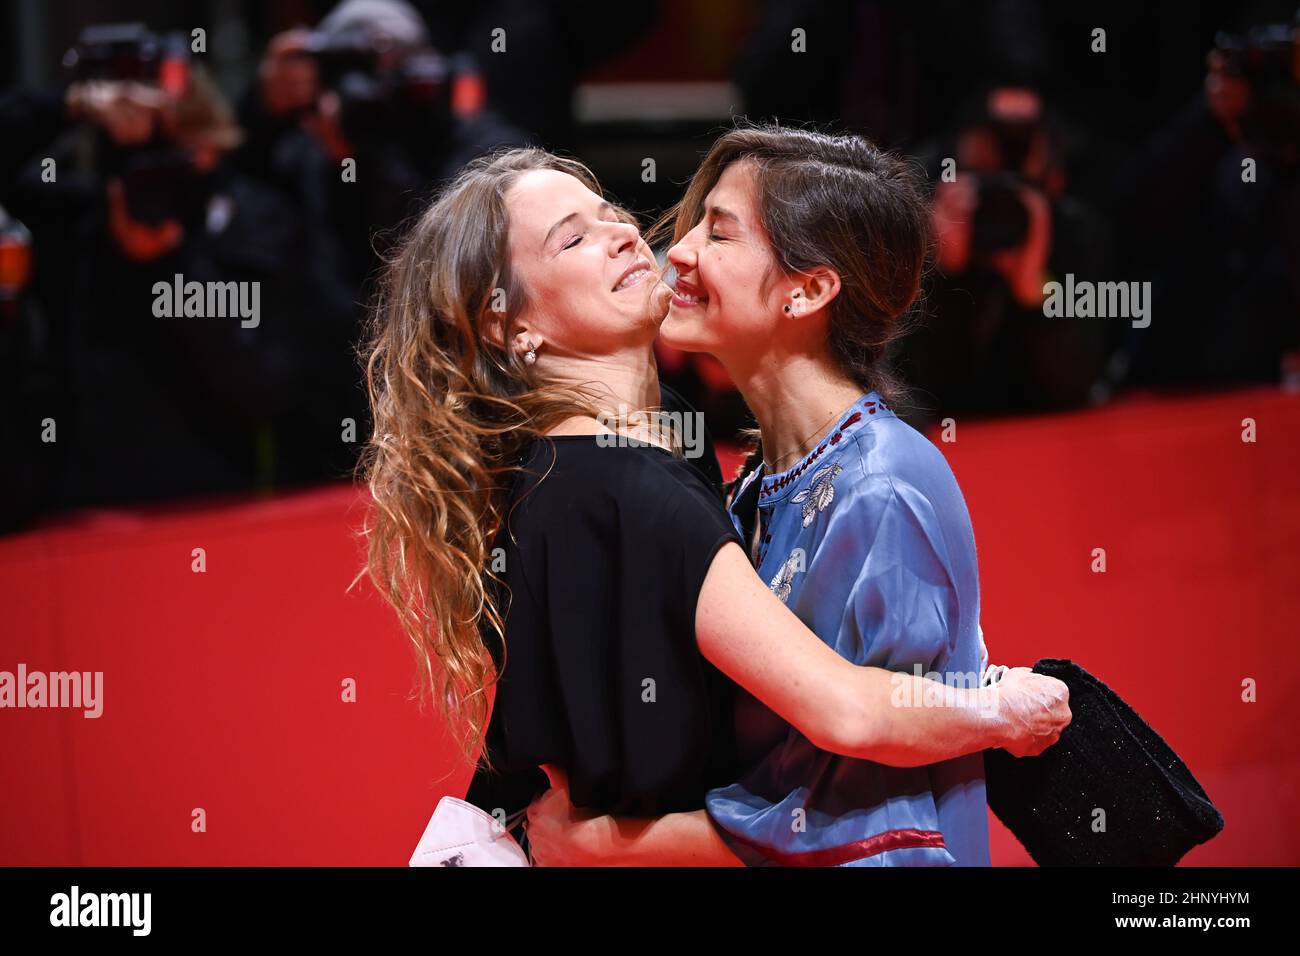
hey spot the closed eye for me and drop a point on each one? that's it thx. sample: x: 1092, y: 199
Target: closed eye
x: 571, y: 243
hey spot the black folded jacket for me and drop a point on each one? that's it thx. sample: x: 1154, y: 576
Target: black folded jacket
x: 1107, y: 758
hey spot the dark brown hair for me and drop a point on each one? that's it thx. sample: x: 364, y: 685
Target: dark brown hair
x: 838, y: 202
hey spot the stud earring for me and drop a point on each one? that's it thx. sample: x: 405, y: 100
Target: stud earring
x: 530, y: 356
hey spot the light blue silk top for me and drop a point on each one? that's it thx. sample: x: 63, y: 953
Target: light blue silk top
x: 868, y: 541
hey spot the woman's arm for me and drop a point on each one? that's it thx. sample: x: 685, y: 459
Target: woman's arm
x: 749, y: 634
x: 863, y: 712
x: 560, y: 834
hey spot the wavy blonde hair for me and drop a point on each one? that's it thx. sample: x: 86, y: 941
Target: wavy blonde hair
x: 453, y: 409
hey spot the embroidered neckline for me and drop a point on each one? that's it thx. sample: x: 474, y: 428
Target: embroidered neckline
x: 859, y: 411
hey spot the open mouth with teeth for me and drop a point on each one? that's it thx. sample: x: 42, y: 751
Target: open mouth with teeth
x: 634, y: 276
x: 687, y: 295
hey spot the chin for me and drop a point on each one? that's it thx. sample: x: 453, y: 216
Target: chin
x: 657, y: 303
x: 683, y: 334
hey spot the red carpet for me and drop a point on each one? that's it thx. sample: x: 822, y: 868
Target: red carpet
x: 222, y: 690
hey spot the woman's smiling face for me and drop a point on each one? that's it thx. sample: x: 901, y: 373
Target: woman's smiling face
x: 592, y: 282
x: 724, y: 294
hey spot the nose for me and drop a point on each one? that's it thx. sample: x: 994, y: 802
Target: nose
x: 625, y: 236
x: 682, y: 255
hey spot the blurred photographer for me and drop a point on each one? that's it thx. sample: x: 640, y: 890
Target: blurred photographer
x: 122, y: 180
x: 1005, y: 226
x: 1213, y: 209
x: 364, y: 88
x: 353, y: 122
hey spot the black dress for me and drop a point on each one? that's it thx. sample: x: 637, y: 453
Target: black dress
x: 604, y: 560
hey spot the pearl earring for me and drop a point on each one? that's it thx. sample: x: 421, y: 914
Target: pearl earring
x: 530, y: 356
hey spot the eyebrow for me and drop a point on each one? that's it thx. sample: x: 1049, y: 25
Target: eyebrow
x: 717, y: 212
x: 604, y: 207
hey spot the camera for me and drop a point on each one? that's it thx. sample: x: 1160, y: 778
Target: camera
x: 385, y: 93
x: 1000, y: 220
x: 1012, y: 120
x: 130, y: 51
x: 158, y: 176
